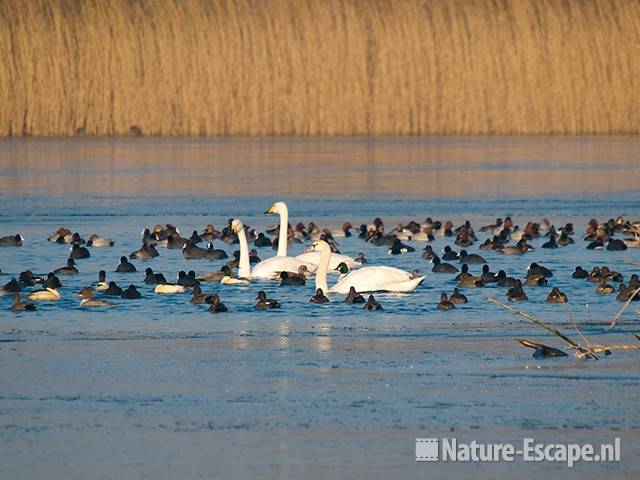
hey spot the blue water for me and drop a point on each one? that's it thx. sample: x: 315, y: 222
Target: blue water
x: 159, y: 387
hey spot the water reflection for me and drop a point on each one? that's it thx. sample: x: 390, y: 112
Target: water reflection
x: 336, y: 167
x: 322, y: 341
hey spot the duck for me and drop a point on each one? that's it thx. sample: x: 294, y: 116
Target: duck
x: 491, y: 228
x: 264, y: 303
x: 215, y: 253
x: 45, y: 295
x: 597, y: 244
x: 604, y: 288
x: 198, y: 297
x: 556, y: 296
x: 216, y: 306
x: 150, y: 277
x: 125, y: 266
x: 12, y: 241
x: 551, y: 243
x: 616, y: 245
x: 195, y: 238
x: 365, y: 279
x: 398, y: 248
x: 464, y: 274
x: 227, y: 235
x: 113, y: 290
x: 191, y: 251
x: 145, y: 252
x: 504, y: 281
x: 229, y: 279
x: 470, y: 282
x: 20, y: 306
x: 564, y: 239
x: 516, y: 293
x: 269, y: 268
x: 28, y: 279
x: 76, y: 239
x: 131, y: 293
x: 345, y: 231
x: 101, y: 284
x: 625, y: 293
x: 62, y: 233
x: 262, y: 241
x: 579, y: 273
x: 69, y: 269
x: 166, y: 288
x: 12, y: 286
x: 99, y: 242
x: 354, y: 297
x: 52, y: 281
x: 294, y: 280
x: 535, y: 281
x: 470, y: 258
x: 209, y: 234
x: 457, y: 297
x: 173, y: 242
x: 360, y: 258
x: 149, y: 238
x: 487, y: 275
x: 439, y: 267
x: 372, y: 304
x: 88, y: 300
x: 212, y: 276
x: 319, y: 297
x: 187, y: 279
x: 428, y: 253
x: 253, y: 256
x: 445, y: 304
x: 536, y: 270
x: 518, y: 249
x: 78, y: 252
x: 449, y: 254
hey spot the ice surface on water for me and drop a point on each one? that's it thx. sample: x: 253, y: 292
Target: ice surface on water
x: 162, y: 386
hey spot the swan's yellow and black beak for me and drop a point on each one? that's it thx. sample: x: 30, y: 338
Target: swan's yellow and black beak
x: 234, y: 228
x: 270, y: 210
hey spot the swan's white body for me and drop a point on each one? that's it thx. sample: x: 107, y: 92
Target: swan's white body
x: 366, y: 279
x: 313, y: 258
x: 48, y: 294
x: 269, y: 268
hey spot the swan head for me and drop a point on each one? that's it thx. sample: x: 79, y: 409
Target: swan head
x: 319, y: 246
x: 278, y: 207
x: 236, y: 226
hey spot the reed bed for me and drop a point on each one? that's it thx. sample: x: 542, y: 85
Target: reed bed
x: 319, y: 67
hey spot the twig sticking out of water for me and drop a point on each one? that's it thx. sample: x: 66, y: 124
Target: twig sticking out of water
x: 589, y: 351
x: 624, y: 307
x: 573, y: 344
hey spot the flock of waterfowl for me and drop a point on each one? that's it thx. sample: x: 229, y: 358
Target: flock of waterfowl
x: 322, y: 257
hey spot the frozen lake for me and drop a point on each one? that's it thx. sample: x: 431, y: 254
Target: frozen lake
x: 160, y: 388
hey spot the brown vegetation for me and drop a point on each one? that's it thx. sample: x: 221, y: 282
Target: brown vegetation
x: 329, y: 67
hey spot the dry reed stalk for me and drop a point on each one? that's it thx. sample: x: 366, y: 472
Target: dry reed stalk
x: 319, y: 67
x: 588, y: 351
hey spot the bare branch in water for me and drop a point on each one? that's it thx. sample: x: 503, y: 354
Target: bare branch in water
x: 614, y: 321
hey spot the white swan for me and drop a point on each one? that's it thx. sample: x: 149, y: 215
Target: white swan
x: 313, y: 258
x: 270, y: 267
x: 366, y: 279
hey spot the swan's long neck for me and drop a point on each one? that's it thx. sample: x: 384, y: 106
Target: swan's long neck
x: 244, y: 269
x: 283, y: 237
x: 321, y: 273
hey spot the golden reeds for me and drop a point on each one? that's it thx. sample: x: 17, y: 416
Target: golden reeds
x: 329, y: 67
